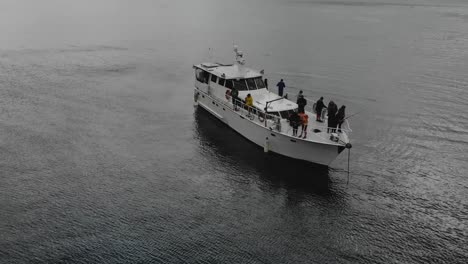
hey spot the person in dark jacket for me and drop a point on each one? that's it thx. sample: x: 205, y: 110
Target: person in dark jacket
x: 235, y: 97
x: 281, y: 86
x: 332, y: 122
x: 319, y: 105
x: 299, y: 95
x: 266, y: 83
x: 301, y: 102
x: 294, y: 121
x: 340, y: 117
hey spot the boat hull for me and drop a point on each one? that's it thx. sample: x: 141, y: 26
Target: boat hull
x: 270, y: 140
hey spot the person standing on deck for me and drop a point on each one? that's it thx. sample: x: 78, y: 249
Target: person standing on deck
x: 301, y: 102
x: 294, y: 121
x: 332, y: 109
x: 235, y: 97
x: 304, y: 122
x: 249, y: 103
x: 281, y: 86
x: 299, y: 95
x: 319, y: 105
x: 266, y: 83
x: 340, y: 117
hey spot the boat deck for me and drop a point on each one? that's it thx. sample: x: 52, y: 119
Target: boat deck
x: 316, y: 131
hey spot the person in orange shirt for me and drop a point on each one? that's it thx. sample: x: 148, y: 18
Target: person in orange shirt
x: 304, y: 122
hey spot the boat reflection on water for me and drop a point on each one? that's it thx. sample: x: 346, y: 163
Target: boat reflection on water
x: 235, y: 154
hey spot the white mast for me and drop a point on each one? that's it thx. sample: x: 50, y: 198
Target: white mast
x: 240, y: 61
x: 239, y: 56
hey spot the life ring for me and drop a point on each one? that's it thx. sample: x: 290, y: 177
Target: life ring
x: 261, y: 116
x: 228, y: 94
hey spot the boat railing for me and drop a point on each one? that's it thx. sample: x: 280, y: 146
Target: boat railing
x: 344, y: 126
x: 256, y: 113
x: 271, y: 121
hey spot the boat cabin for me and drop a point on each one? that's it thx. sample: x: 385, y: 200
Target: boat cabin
x: 215, y: 79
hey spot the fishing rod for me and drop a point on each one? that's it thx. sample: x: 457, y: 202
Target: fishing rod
x: 351, y: 115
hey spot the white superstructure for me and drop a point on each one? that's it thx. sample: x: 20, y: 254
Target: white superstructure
x: 266, y: 123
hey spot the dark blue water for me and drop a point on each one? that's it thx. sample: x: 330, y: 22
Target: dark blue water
x: 104, y: 159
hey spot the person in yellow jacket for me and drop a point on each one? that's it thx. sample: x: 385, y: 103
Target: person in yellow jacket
x: 249, y: 102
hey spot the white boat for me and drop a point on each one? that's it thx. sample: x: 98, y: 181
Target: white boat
x: 266, y: 123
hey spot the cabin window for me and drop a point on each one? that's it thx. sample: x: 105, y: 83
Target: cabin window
x: 240, y: 85
x: 286, y: 113
x: 201, y: 75
x: 228, y: 84
x: 221, y: 81
x: 251, y: 84
x: 260, y: 83
x: 214, y: 78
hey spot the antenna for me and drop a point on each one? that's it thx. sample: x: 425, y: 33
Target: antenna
x: 210, y: 54
x: 239, y: 56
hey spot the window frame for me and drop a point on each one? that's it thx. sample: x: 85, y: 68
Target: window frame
x: 231, y: 85
x: 253, y: 82
x: 214, y: 77
x: 240, y: 81
x: 261, y: 81
x: 221, y: 81
x: 200, y: 73
x: 288, y: 112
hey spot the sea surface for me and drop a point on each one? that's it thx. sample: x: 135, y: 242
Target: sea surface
x: 105, y: 159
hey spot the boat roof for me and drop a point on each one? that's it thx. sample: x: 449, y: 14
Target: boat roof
x: 262, y: 96
x: 229, y: 71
